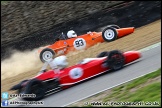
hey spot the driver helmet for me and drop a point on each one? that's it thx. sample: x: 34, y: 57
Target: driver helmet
x: 59, y: 62
x: 71, y: 34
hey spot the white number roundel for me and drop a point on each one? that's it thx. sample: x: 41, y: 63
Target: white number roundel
x: 79, y: 43
x: 76, y: 73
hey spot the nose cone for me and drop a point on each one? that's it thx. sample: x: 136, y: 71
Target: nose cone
x: 136, y: 54
x: 125, y: 31
x: 131, y: 56
x: 132, y: 29
x: 139, y: 54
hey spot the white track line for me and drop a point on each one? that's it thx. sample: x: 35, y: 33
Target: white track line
x: 150, y: 47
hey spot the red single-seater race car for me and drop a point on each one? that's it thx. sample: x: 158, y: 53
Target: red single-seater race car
x: 61, y: 77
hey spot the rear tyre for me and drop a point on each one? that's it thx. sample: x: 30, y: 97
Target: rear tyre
x: 34, y: 87
x: 21, y: 90
x: 115, y: 60
x: 46, y: 54
x: 109, y: 34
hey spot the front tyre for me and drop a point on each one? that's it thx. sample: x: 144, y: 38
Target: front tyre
x: 115, y: 60
x: 46, y: 54
x: 109, y: 34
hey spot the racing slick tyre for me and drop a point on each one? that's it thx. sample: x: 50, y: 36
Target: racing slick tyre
x: 114, y: 26
x: 34, y: 87
x: 109, y: 34
x: 46, y: 55
x: 115, y: 60
x: 21, y: 90
x: 103, y: 54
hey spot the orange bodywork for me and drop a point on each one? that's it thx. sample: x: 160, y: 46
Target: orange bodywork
x: 83, y: 41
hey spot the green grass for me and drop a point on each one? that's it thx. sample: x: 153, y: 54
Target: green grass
x: 143, y: 79
x: 148, y: 94
x: 151, y: 92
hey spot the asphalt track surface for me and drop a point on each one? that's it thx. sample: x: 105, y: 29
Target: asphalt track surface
x: 150, y: 61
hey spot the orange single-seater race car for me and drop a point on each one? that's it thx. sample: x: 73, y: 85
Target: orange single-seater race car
x: 74, y: 42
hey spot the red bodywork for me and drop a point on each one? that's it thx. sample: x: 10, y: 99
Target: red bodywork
x: 84, y: 71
